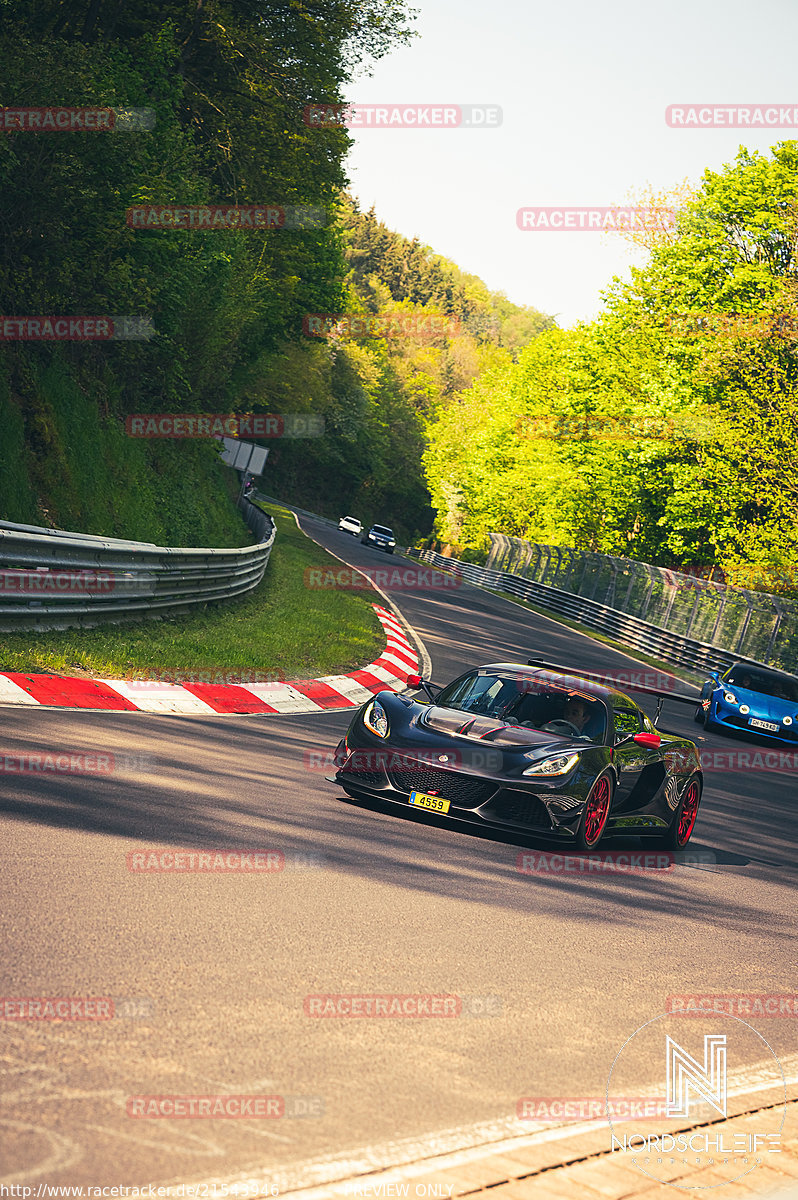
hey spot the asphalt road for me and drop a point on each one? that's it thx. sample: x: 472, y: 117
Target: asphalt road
x: 555, y: 971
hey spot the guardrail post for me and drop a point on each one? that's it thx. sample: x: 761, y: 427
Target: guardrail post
x: 610, y: 596
x: 777, y: 626
x: 723, y: 597
x: 529, y: 569
x: 629, y: 565
x: 525, y: 557
x: 643, y: 607
x: 691, y: 618
x: 740, y: 640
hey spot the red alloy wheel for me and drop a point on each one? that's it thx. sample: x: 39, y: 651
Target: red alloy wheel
x: 597, y: 810
x: 688, y: 814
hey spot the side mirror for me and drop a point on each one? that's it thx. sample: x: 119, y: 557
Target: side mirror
x: 715, y: 675
x: 416, y: 681
x: 651, y: 741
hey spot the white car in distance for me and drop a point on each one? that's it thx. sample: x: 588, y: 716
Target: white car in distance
x: 351, y: 525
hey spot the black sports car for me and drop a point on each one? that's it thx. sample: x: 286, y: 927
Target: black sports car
x: 529, y: 748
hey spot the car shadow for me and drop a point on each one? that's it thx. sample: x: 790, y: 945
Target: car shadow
x: 257, y: 788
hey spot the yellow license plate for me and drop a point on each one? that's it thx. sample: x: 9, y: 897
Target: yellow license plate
x: 435, y: 803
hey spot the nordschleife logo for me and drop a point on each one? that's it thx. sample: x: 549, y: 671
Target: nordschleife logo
x: 720, y: 1094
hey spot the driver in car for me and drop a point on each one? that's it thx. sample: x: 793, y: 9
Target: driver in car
x: 575, y: 713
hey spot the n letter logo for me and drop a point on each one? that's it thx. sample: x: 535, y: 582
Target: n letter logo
x: 708, y: 1082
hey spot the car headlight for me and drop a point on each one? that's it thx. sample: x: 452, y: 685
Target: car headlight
x: 729, y: 697
x: 559, y: 765
x: 391, y: 541
x: 375, y: 718
x: 787, y: 721
x: 745, y: 708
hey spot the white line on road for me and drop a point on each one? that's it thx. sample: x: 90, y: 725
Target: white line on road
x: 446, y: 1149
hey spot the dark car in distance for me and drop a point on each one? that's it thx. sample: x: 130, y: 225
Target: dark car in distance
x: 526, y: 748
x: 380, y: 536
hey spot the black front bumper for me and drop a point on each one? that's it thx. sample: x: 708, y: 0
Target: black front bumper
x: 473, y: 799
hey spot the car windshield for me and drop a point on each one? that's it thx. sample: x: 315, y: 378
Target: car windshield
x: 767, y: 683
x: 382, y: 529
x: 522, y: 700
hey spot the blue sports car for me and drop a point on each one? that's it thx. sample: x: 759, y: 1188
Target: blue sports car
x: 753, y: 699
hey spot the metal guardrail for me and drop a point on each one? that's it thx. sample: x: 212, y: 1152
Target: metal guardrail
x: 756, y: 626
x: 56, y: 579
x: 654, y: 640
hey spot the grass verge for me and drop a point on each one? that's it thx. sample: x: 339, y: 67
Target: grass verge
x: 282, y: 629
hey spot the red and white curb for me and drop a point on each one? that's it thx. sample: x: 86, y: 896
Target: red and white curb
x: 398, y: 660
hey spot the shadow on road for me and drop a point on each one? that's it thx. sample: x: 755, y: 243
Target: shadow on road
x: 251, y: 789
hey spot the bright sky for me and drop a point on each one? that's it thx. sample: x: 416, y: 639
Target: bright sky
x: 583, y: 87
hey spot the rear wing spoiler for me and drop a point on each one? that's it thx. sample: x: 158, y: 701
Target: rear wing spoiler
x: 595, y: 677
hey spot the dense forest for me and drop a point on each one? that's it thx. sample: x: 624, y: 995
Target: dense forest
x: 226, y: 85
x: 435, y: 331
x: 667, y: 429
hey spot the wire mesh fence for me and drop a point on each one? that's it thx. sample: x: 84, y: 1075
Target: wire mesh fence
x: 753, y: 625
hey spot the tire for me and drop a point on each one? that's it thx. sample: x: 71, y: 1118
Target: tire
x: 681, y: 827
x: 597, y: 810
x: 698, y: 716
x: 390, y: 551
